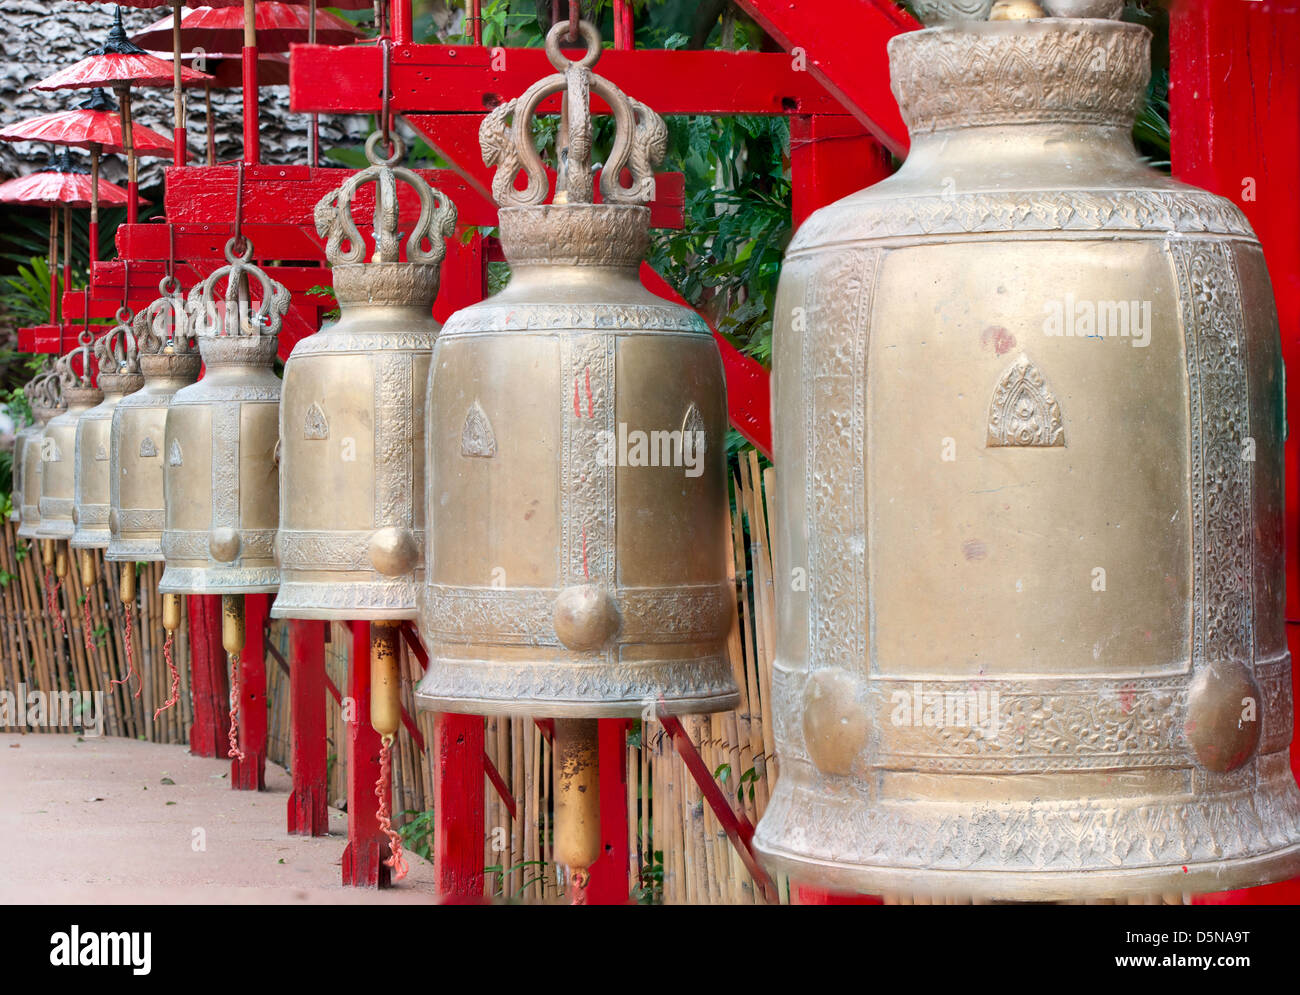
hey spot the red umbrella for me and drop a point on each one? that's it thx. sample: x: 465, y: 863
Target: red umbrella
x: 62, y: 185
x: 94, y: 124
x: 221, y: 29
x: 119, y: 64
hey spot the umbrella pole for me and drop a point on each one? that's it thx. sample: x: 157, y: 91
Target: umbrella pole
x: 313, y: 136
x: 128, y: 146
x: 212, y: 138
x: 252, y: 138
x: 94, y: 202
x: 67, y: 248
x: 54, y: 264
x: 179, y: 151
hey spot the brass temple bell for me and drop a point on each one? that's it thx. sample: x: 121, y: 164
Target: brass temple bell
x: 45, y: 395
x: 59, y: 441
x: 1036, y: 498
x: 576, y: 493
x: 119, y: 376
x: 561, y: 580
x: 220, y: 483
x: 168, y: 361
x: 350, y: 543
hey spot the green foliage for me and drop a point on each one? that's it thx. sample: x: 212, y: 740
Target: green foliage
x: 650, y: 889
x: 417, y: 833
x: 501, y: 872
x: 25, y: 296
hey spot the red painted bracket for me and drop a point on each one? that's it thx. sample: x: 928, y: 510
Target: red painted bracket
x: 471, y: 79
x: 843, y: 46
x: 738, y: 828
x: 367, y: 849
x: 209, y: 684
x: 249, y: 774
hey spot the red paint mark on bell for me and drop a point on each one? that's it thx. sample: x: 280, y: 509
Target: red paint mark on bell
x: 974, y: 549
x: 1184, y: 868
x: 577, y: 407
x: 591, y: 413
x: 1127, y: 698
x: 997, y: 336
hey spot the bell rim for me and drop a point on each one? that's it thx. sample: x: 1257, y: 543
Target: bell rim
x: 89, y: 539
x: 1033, y: 886
x: 575, y: 708
x: 119, y: 551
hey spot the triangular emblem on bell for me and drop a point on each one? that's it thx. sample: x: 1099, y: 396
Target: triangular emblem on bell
x: 221, y: 500
x: 352, y: 417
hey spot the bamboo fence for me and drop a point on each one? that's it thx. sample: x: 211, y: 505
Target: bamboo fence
x: 680, y: 852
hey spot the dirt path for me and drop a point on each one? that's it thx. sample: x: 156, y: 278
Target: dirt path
x: 95, y: 820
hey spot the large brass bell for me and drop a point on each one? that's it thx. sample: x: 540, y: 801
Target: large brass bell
x: 1030, y: 626
x: 45, y: 395
x: 563, y: 577
x: 352, y: 415
x: 31, y: 428
x: 59, y: 441
x: 221, y: 485
x: 168, y: 361
x: 119, y: 375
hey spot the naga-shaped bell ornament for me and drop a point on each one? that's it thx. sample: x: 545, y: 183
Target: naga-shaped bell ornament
x: 1032, y: 502
x: 576, y: 495
x: 59, y: 440
x: 119, y: 375
x: 221, y: 485
x: 169, y: 360
x: 352, y: 415
x: 44, y: 404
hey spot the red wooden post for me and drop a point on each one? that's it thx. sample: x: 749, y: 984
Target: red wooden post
x: 831, y: 156
x: 609, y: 884
x: 308, y: 812
x: 208, y: 682
x: 367, y: 849
x: 249, y: 774
x: 458, y: 780
x: 1234, y: 100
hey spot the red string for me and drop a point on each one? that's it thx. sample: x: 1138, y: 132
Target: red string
x: 52, y: 585
x: 129, y: 643
x: 235, y: 691
x: 85, y: 622
x: 385, y: 823
x: 171, y: 669
x: 578, y: 881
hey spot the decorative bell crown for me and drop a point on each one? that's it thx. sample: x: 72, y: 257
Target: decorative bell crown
x: 119, y: 375
x: 1037, y: 498
x: 220, y: 481
x: 352, y: 418
x: 168, y: 360
x: 44, y: 398
x: 563, y: 578
x: 59, y: 440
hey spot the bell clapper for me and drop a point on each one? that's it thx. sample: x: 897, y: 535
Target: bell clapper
x: 86, y: 562
x: 577, y: 801
x: 385, y: 717
x: 171, y: 620
x: 232, y: 641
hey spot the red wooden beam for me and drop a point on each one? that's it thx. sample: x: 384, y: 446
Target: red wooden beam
x: 1234, y: 100
x: 609, y: 874
x: 209, y: 685
x: 458, y: 803
x: 831, y: 156
x: 469, y: 80
x: 738, y: 828
x: 249, y: 774
x: 843, y: 47
x: 367, y: 849
x: 308, y: 810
